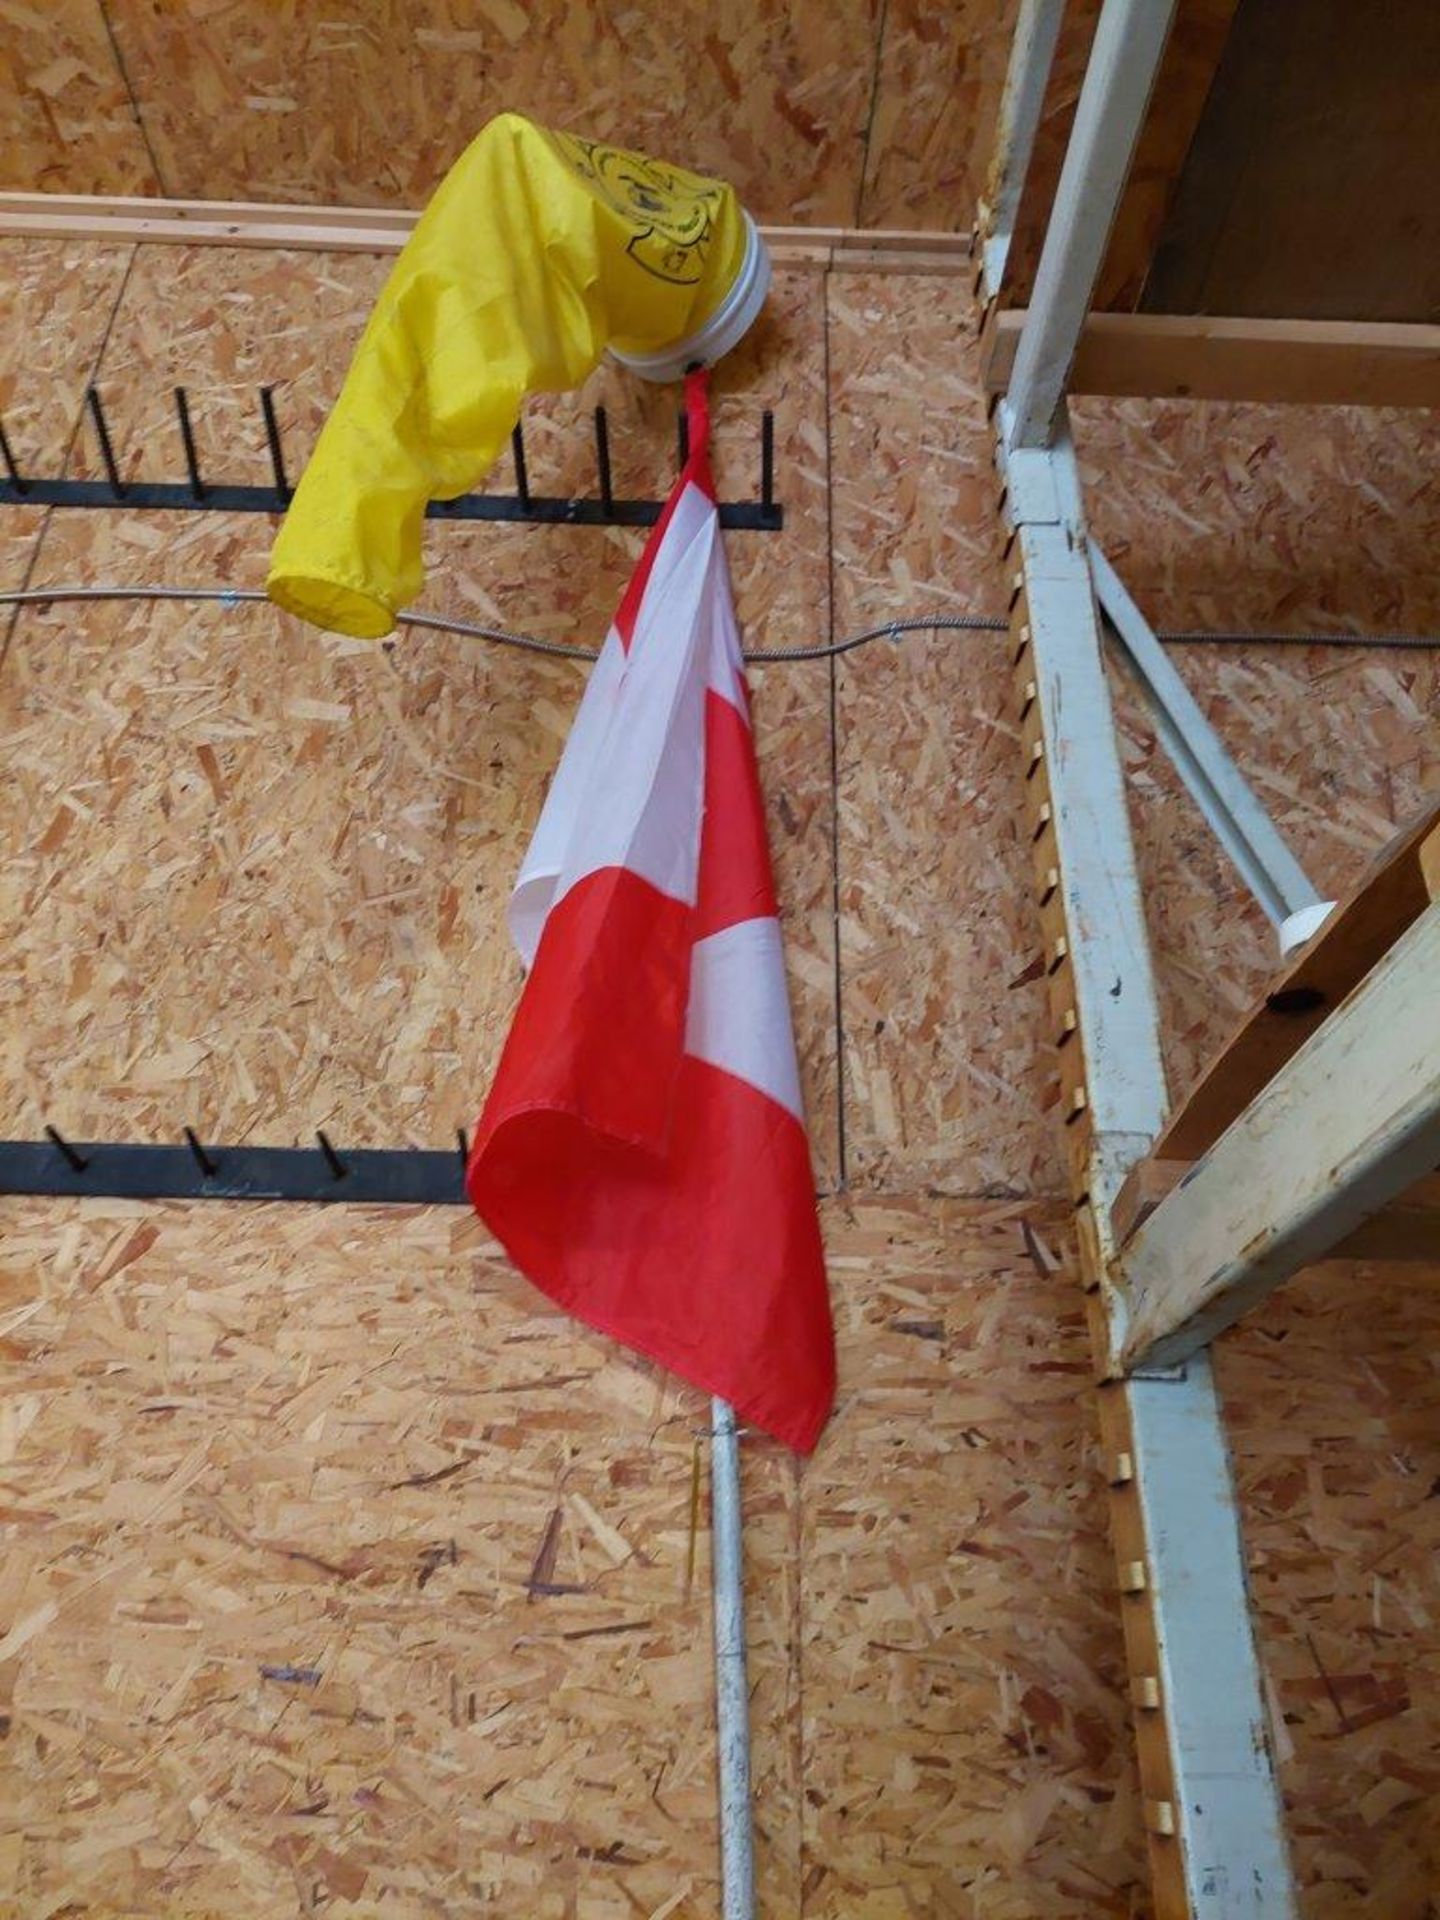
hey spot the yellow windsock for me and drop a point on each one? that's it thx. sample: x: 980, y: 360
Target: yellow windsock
x: 538, y: 252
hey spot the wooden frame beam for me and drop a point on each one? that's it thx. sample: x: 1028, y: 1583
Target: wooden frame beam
x: 1344, y: 1128
x: 1401, y: 882
x: 1406, y: 1233
x: 1165, y: 356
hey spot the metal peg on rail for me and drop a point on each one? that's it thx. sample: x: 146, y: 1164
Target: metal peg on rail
x: 187, y: 435
x: 196, y: 492
x: 272, y: 436
x: 11, y: 470
x: 337, y: 1166
x: 71, y: 1155
x: 522, y: 478
x: 602, y: 460
x: 102, y: 434
x: 207, y: 1164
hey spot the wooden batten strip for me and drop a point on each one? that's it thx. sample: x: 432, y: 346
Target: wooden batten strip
x: 385, y: 230
x: 1127, y: 1526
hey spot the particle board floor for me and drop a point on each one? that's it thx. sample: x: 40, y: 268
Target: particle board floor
x: 252, y: 881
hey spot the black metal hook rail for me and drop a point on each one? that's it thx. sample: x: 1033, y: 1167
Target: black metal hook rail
x: 197, y: 494
x: 364, y: 1176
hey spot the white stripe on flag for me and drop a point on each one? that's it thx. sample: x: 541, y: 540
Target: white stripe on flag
x: 739, y: 1012
x: 629, y: 788
x: 534, y: 890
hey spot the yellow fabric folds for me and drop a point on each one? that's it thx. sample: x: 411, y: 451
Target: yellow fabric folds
x: 538, y: 251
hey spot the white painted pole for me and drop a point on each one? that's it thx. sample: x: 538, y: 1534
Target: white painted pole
x: 1032, y: 52
x: 1235, y: 813
x: 732, y: 1691
x: 1130, y: 37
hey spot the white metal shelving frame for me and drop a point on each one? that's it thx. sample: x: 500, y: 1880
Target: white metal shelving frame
x: 1294, y: 1173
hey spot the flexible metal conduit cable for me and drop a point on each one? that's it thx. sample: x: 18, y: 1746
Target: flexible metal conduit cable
x: 563, y: 650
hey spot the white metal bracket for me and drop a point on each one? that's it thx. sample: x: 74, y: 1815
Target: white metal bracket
x: 1222, y: 793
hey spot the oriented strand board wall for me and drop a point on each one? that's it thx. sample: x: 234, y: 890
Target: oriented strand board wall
x: 1332, y: 1400
x: 946, y: 1077
x: 342, y: 1573
x: 256, y: 879
x: 253, y: 881
x: 68, y: 123
x: 857, y: 114
x: 1281, y: 520
x: 339, y: 1597
x: 288, y: 914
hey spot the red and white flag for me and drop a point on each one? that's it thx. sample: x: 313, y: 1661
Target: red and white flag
x: 642, y: 1155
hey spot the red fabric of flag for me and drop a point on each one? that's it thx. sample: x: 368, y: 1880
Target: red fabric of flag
x: 642, y: 1155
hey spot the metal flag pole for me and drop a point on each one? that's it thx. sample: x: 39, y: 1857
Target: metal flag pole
x: 732, y: 1693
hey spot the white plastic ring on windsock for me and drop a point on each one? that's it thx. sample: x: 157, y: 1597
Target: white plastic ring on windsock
x: 726, y: 327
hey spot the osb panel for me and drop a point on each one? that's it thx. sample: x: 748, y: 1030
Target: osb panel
x: 282, y: 904
x: 254, y: 880
x: 937, y: 93
x: 58, y: 300
x: 342, y: 1569
x: 298, y: 104
x: 1280, y: 519
x: 851, y: 115
x: 168, y: 763
x: 966, y: 1747
x: 1334, y: 1421
x: 1283, y: 519
x: 67, y: 123
x: 1340, y: 748
x: 946, y: 1078
x: 18, y: 531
